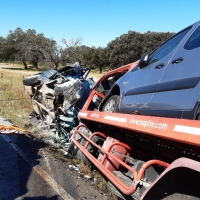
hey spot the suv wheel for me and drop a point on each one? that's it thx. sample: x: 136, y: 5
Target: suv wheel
x: 111, y: 104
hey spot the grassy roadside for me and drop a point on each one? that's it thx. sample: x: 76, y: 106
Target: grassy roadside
x: 14, y: 104
x: 95, y: 73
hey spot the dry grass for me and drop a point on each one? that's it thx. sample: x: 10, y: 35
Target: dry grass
x: 14, y: 104
x: 96, y: 74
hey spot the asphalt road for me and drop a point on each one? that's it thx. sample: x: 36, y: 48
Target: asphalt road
x: 29, y: 172
x: 18, y: 177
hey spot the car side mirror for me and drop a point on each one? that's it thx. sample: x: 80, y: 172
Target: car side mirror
x: 143, y: 61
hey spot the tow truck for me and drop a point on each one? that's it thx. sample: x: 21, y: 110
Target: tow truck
x: 142, y: 157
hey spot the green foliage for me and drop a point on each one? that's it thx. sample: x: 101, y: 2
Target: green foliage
x: 129, y: 47
x: 22, y: 46
x: 152, y: 40
x: 2, y: 49
x: 29, y: 46
x: 125, y: 49
x: 95, y: 57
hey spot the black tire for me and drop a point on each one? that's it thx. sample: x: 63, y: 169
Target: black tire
x: 31, y: 80
x: 72, y: 150
x: 111, y: 104
x: 126, y: 180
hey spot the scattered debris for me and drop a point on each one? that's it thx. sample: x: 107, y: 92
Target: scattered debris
x: 74, y: 167
x: 95, y: 180
x: 65, y: 153
x: 87, y: 177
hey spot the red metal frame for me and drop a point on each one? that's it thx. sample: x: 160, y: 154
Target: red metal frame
x: 128, y: 190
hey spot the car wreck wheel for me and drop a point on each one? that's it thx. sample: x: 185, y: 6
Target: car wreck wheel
x: 111, y: 104
x: 31, y: 80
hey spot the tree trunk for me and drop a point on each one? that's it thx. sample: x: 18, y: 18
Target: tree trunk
x: 36, y: 65
x: 100, y: 70
x: 25, y: 65
x: 55, y: 65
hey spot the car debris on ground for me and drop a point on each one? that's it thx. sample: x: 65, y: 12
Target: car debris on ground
x: 57, y: 97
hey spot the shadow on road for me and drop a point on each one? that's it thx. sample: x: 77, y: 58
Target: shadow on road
x: 40, y: 198
x: 18, y: 179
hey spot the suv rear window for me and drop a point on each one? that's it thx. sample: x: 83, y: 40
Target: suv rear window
x: 194, y: 40
x: 167, y: 47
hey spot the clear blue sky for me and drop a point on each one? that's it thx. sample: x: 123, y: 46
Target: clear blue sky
x: 96, y: 21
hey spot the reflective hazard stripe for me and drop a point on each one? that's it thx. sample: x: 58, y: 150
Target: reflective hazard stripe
x: 117, y: 119
x: 82, y: 114
x: 187, y: 129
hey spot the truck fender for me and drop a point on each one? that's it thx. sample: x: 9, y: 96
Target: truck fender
x: 181, y: 177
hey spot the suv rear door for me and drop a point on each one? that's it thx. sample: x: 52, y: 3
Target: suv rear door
x: 139, y: 86
x: 179, y: 88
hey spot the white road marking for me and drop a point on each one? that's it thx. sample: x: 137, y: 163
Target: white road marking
x: 46, y: 160
x: 117, y: 119
x: 187, y: 129
x: 54, y: 185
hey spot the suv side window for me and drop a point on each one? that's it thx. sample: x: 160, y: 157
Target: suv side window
x: 167, y: 47
x: 194, y: 40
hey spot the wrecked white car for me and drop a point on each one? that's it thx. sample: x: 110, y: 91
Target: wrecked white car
x: 57, y: 97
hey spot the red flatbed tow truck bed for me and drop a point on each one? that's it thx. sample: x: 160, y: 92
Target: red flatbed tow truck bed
x: 143, y: 157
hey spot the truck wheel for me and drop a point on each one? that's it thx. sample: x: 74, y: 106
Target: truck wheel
x: 177, y: 196
x: 111, y: 104
x: 31, y: 80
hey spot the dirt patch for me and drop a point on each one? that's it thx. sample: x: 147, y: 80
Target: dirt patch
x: 10, y: 68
